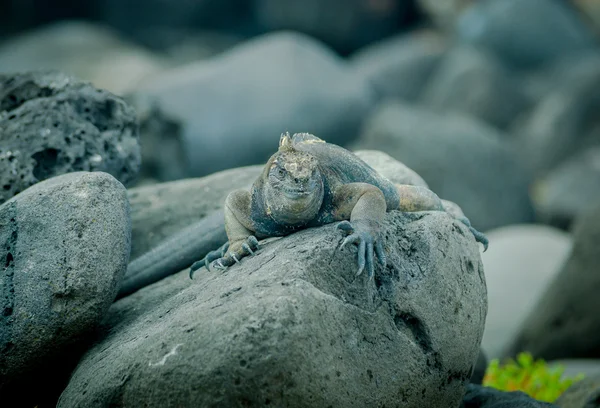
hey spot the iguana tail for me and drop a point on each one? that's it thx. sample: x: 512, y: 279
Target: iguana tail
x: 176, y: 253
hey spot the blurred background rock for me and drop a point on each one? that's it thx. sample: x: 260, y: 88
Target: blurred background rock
x: 495, y: 103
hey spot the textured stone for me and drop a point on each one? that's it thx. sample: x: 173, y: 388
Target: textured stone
x: 461, y: 159
x: 233, y: 108
x: 53, y: 124
x: 65, y: 247
x: 293, y: 326
x: 521, y: 262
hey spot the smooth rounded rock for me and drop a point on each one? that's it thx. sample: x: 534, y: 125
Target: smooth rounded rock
x: 574, y: 367
x: 137, y: 17
x: 565, y: 322
x: 474, y: 82
x: 569, y: 190
x: 163, y: 209
x: 65, y: 248
x: 444, y: 13
x: 293, y: 326
x: 401, y: 66
x: 564, y: 122
x: 582, y: 394
x: 390, y: 168
x: 233, y: 108
x: 520, y: 264
x: 89, y: 51
x: 460, y: 158
x: 51, y: 124
x: 343, y: 24
x: 525, y: 33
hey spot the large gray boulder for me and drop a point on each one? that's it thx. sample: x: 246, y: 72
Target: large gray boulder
x: 163, y: 209
x: 64, y: 248
x: 520, y: 264
x: 565, y: 322
x: 233, y: 107
x: 582, y: 394
x: 462, y: 159
x: 86, y: 50
x: 525, y: 33
x: 570, y: 189
x: 343, y: 24
x: 400, y: 66
x: 563, y: 123
x: 472, y: 81
x: 52, y: 124
x: 293, y: 326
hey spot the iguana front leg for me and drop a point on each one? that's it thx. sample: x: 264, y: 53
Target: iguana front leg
x: 241, y: 239
x: 364, y: 205
x: 417, y: 198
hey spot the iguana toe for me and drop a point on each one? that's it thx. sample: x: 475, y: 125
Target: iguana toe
x: 479, y: 236
x: 366, y: 236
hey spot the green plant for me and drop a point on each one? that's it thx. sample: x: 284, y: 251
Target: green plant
x: 534, y: 377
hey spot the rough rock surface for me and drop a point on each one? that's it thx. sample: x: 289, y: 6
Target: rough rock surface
x: 525, y: 33
x: 485, y: 397
x: 51, y: 124
x: 583, y: 394
x: 295, y: 327
x: 463, y: 160
x: 569, y: 190
x: 519, y: 266
x: 234, y: 107
x: 565, y: 323
x: 65, y: 247
x: 472, y: 81
x: 401, y: 66
x: 160, y: 210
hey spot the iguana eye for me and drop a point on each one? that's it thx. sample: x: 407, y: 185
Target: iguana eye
x: 279, y: 172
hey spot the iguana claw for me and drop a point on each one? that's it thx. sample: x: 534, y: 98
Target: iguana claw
x: 479, y: 236
x: 227, y: 255
x: 366, y: 235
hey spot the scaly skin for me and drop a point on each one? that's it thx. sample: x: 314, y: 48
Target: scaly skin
x: 309, y: 183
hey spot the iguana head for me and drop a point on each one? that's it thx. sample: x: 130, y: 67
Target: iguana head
x: 294, y: 186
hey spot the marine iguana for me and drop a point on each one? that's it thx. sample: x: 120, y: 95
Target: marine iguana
x: 308, y: 183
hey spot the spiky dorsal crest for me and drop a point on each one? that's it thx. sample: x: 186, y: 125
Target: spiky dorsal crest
x: 285, y: 142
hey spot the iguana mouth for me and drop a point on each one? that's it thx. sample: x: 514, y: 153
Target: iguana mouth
x: 295, y: 192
